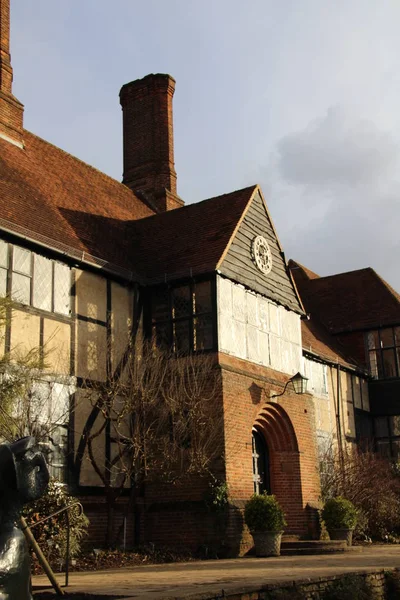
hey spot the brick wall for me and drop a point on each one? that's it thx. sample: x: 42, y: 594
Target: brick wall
x: 288, y: 426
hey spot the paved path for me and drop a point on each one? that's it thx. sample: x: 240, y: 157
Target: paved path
x: 183, y: 580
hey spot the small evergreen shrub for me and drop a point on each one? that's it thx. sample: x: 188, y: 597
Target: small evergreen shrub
x: 339, y: 513
x: 264, y: 513
x: 51, y: 535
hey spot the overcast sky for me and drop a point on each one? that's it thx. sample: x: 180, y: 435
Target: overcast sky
x: 302, y: 97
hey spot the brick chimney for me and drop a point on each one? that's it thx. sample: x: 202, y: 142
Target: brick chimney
x: 149, y: 140
x: 11, y: 110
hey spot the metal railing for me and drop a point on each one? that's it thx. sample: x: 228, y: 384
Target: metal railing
x: 65, y: 510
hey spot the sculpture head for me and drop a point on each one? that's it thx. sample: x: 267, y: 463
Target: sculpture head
x: 23, y: 472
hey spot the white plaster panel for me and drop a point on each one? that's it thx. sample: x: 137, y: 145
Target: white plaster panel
x: 249, y: 327
x: 285, y: 356
x: 224, y: 296
x: 252, y: 317
x: 263, y: 320
x: 253, y: 353
x: 239, y: 303
x: 274, y: 318
x: 275, y: 352
x: 263, y: 347
x: 239, y: 339
x: 225, y: 337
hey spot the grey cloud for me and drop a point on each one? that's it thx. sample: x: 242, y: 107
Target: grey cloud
x: 337, y: 149
x: 337, y: 179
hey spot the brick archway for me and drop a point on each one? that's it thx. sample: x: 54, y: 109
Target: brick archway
x: 275, y: 425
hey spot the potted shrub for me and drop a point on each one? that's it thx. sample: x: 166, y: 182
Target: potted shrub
x: 340, y: 517
x: 265, y: 519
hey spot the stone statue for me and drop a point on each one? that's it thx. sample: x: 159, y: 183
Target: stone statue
x: 23, y: 477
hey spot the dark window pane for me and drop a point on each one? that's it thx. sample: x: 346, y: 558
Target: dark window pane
x: 387, y: 338
x: 203, y: 333
x: 397, y: 335
x: 181, y: 336
x: 389, y: 363
x: 161, y: 335
x: 373, y: 339
x: 159, y: 304
x: 381, y: 427
x: 395, y: 424
x: 202, y: 297
x: 181, y: 302
x: 383, y: 448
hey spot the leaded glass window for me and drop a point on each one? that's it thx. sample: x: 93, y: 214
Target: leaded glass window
x: 35, y: 280
x: 42, y: 282
x: 62, y: 288
x: 182, y: 316
x: 384, y: 352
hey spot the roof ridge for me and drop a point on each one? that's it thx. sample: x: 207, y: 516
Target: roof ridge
x: 343, y: 273
x: 196, y: 204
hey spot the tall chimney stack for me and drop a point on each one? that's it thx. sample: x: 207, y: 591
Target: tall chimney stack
x: 149, y: 140
x: 11, y: 110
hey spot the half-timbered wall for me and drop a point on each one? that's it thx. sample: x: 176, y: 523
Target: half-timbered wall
x: 254, y: 328
x: 333, y: 420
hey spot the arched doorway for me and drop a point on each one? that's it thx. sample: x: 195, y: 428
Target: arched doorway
x: 260, y: 453
x: 276, y: 463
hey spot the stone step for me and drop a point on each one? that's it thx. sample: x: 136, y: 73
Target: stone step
x: 313, y: 543
x: 303, y: 547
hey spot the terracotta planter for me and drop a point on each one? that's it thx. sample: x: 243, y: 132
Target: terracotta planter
x: 267, y: 543
x: 342, y: 534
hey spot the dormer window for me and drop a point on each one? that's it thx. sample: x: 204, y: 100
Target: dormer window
x: 383, y: 346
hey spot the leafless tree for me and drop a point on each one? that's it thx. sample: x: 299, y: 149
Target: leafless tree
x: 367, y: 479
x: 164, y: 420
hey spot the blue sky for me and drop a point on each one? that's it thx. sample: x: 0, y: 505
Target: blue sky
x: 301, y: 97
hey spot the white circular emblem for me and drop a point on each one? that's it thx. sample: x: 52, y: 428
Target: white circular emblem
x: 261, y: 254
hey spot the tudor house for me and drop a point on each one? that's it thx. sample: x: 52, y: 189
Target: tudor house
x: 89, y: 261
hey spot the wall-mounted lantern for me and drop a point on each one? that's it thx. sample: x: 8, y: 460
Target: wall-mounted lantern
x: 299, y: 385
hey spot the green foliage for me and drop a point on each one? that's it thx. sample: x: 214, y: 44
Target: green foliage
x: 217, y: 496
x: 264, y: 513
x: 52, y: 533
x: 339, y: 513
x: 350, y: 587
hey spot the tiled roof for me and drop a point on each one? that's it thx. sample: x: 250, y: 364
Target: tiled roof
x: 316, y: 340
x: 356, y: 300
x: 189, y: 240
x: 50, y: 193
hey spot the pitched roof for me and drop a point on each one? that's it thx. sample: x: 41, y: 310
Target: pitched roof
x: 317, y: 340
x: 187, y: 241
x: 356, y: 300
x: 60, y: 199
